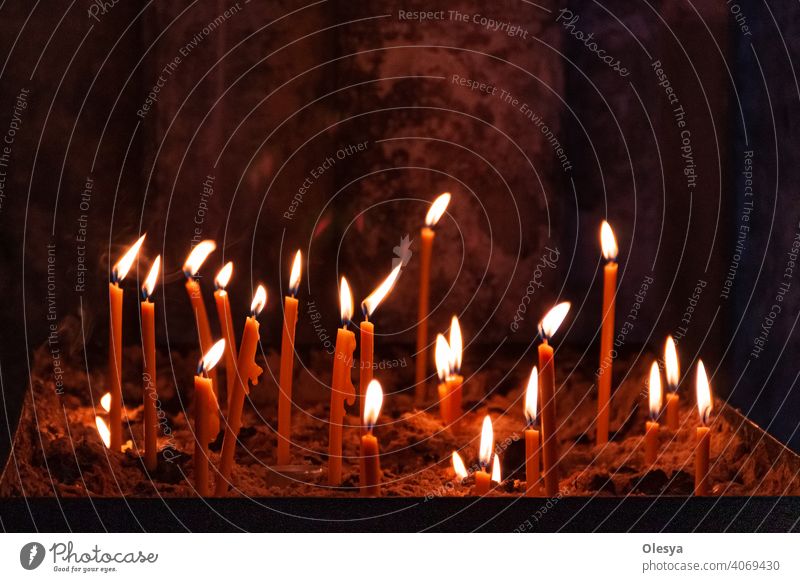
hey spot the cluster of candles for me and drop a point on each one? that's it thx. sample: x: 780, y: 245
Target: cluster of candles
x: 242, y: 372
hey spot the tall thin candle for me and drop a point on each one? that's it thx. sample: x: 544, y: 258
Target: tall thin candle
x: 651, y: 427
x: 703, y: 450
x: 223, y: 303
x: 150, y: 394
x: 290, y: 306
x: 609, y: 247
x: 532, y: 439
x: 673, y: 378
x: 204, y: 404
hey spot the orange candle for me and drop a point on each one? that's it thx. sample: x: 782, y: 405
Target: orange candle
x: 223, y: 303
x: 370, y: 450
x: 118, y: 273
x: 532, y: 488
x: 454, y: 379
x: 547, y: 383
x: 482, y: 477
x: 435, y: 212
x: 609, y: 246
x: 150, y: 395
x: 651, y: 427
x: 367, y: 347
x: 290, y: 306
x: 443, y: 359
x: 247, y: 372
x: 342, y: 389
x: 204, y: 404
x: 194, y: 261
x: 673, y: 378
x: 703, y: 450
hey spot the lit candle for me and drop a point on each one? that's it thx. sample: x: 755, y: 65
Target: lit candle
x: 290, y: 305
x: 673, y: 378
x: 247, y: 372
x: 532, y: 443
x: 342, y: 389
x: 459, y: 468
x: 370, y: 450
x: 497, y: 474
x: 150, y: 394
x: 702, y: 453
x: 194, y: 261
x: 454, y: 379
x: 367, y: 328
x: 118, y: 273
x: 651, y: 428
x: 205, y: 404
x: 482, y: 477
x: 547, y: 386
x: 223, y: 303
x: 435, y: 212
x: 443, y: 360
x: 609, y: 246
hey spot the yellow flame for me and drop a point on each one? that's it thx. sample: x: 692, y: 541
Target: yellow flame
x: 458, y: 466
x: 345, y: 301
x: 152, y: 278
x: 671, y: 362
x: 551, y: 322
x: 373, y: 400
x: 487, y: 442
x: 608, y: 242
x: 212, y: 356
x: 655, y: 391
x: 442, y: 357
x: 456, y: 346
x: 122, y: 267
x: 105, y: 402
x: 497, y: 475
x: 259, y: 300
x: 294, y: 277
x: 103, y: 431
x: 437, y: 209
x: 704, y: 403
x: 532, y: 396
x: 376, y: 297
x: 224, y: 276
x: 197, y: 257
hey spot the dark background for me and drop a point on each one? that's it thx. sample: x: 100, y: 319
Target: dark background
x: 263, y: 97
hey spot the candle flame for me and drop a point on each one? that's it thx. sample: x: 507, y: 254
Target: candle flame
x: 704, y: 403
x: 375, y: 298
x: 152, y: 277
x: 497, y: 475
x: 532, y: 397
x: 456, y: 346
x: 487, y: 442
x: 608, y: 242
x: 224, y: 276
x: 105, y: 402
x: 294, y: 277
x: 655, y: 391
x: 345, y: 302
x: 211, y: 357
x: 197, y: 257
x: 458, y: 466
x: 437, y: 209
x: 259, y: 301
x: 120, y: 270
x: 442, y: 357
x: 551, y: 322
x: 103, y: 431
x: 671, y: 361
x: 373, y: 400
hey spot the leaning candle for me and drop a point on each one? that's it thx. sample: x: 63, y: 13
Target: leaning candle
x: 482, y: 477
x: 194, y: 261
x: 118, y: 273
x: 702, y: 453
x: 370, y: 450
x: 247, y: 372
x: 223, y: 303
x: 290, y: 306
x: 366, y: 346
x: 342, y: 389
x: 673, y: 378
x: 651, y: 427
x: 150, y: 395
x: 609, y: 246
x: 204, y: 405
x: 427, y: 235
x: 532, y: 435
x: 547, y: 383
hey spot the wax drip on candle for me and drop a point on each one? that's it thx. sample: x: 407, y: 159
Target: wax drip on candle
x: 704, y: 402
x: 655, y: 392
x: 532, y: 399
x: 294, y: 277
x: 121, y: 268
